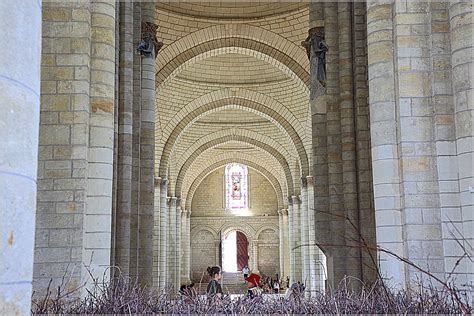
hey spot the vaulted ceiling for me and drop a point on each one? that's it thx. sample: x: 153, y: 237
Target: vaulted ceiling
x: 232, y: 86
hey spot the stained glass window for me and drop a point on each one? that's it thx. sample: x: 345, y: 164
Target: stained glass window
x: 236, y: 187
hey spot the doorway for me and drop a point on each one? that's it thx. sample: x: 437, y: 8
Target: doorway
x: 234, y: 252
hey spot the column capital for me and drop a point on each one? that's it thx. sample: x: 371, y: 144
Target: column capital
x: 157, y: 181
x: 284, y: 212
x: 296, y: 200
x: 188, y: 214
x: 290, y: 200
x: 178, y: 202
x: 149, y: 44
x: 172, y: 201
x: 163, y: 181
x: 310, y: 180
x: 304, y: 182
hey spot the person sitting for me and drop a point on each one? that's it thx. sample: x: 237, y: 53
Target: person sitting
x: 245, y: 271
x: 214, y: 288
x: 253, y: 286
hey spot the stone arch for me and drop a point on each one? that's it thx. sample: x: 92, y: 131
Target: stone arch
x: 276, y: 47
x: 200, y: 228
x: 260, y: 142
x: 195, y: 184
x: 249, y: 101
x: 266, y: 227
x: 227, y: 228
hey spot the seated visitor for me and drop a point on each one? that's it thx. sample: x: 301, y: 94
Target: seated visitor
x: 245, y: 271
x: 214, y: 287
x: 253, y: 288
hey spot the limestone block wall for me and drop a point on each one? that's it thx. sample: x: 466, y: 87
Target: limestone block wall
x: 19, y: 103
x: 261, y: 232
x: 268, y: 252
x: 341, y: 143
x: 421, y: 133
x: 97, y: 96
x: 209, y: 198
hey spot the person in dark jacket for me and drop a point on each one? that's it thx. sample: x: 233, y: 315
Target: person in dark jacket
x: 214, y: 287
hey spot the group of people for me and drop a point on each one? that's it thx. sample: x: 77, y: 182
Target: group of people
x: 256, y: 285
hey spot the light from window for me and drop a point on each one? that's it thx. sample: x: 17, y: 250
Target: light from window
x: 236, y: 187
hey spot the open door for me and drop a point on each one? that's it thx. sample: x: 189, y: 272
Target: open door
x: 242, y: 251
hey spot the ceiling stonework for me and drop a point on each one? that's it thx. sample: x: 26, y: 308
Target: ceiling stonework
x: 232, y: 82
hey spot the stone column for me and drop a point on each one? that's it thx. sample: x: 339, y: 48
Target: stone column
x: 124, y: 215
x: 19, y: 125
x: 291, y: 240
x: 98, y: 215
x: 255, y: 256
x: 172, y: 242
x: 318, y: 102
x: 348, y: 140
x: 147, y: 138
x: 314, y: 265
x: 461, y: 27
x: 156, y: 235
x: 64, y: 144
x: 178, y: 244
x: 286, y: 245
x: 163, y: 234
x: 281, y: 242
x: 383, y: 129
x: 297, y: 238
x: 188, y: 248
x: 216, y: 248
x: 184, y: 250
x: 304, y: 233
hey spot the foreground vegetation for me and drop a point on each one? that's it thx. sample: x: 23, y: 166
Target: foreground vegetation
x: 121, y: 297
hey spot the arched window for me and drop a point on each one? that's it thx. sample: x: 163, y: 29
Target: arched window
x: 236, y: 194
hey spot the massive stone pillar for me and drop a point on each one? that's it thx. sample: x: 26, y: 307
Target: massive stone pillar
x: 156, y: 235
x: 291, y: 240
x: 461, y: 20
x: 172, y: 242
x: 63, y: 143
x: 304, y: 232
x: 98, y: 213
x: 286, y: 245
x: 348, y: 140
x: 315, y: 46
x: 178, y: 263
x: 147, y: 139
x: 19, y: 125
x: 281, y: 243
x: 383, y: 128
x: 185, y: 247
x: 164, y: 216
x: 297, y: 238
x: 123, y: 234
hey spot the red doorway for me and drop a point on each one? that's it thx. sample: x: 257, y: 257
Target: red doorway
x: 242, y: 251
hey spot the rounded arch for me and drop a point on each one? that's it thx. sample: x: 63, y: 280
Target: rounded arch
x: 278, y: 49
x: 266, y: 227
x: 200, y: 228
x: 227, y: 228
x: 249, y: 101
x: 237, y: 136
x: 198, y: 179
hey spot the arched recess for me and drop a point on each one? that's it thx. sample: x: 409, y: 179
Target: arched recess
x: 200, y: 228
x: 274, y: 112
x: 244, y: 136
x: 245, y: 36
x: 197, y: 181
x: 267, y: 227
